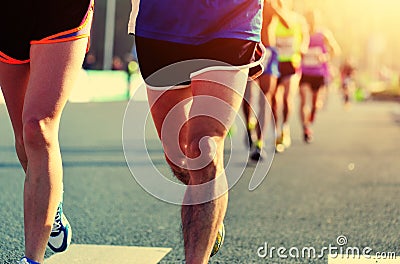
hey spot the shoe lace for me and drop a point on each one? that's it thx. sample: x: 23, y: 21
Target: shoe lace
x: 57, y: 222
x: 24, y: 260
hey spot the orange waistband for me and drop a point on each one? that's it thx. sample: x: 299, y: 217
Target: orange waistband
x: 82, y: 31
x: 9, y: 60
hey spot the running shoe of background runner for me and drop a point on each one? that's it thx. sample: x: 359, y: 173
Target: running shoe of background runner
x: 308, y: 135
x: 286, y: 139
x: 256, y: 155
x: 279, y: 147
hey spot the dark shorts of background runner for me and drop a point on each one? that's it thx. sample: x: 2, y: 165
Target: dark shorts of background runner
x: 154, y: 55
x: 315, y: 82
x: 286, y: 69
x: 23, y: 21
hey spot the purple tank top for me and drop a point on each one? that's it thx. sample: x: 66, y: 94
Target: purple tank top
x: 311, y: 63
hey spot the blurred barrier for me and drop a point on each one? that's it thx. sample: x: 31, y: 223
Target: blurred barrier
x: 101, y: 86
x: 105, y: 86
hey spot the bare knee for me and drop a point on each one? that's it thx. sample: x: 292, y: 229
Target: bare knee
x: 205, y: 158
x: 202, y: 147
x: 38, y: 133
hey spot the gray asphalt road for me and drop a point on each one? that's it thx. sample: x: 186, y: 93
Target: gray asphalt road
x: 346, y: 183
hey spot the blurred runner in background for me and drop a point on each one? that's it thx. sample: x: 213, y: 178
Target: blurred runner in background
x: 292, y: 43
x: 315, y: 71
x: 272, y: 15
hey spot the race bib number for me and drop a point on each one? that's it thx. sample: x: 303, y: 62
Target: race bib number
x: 313, y: 57
x: 285, y: 46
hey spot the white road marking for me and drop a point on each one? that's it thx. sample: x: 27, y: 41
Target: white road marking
x: 102, y: 254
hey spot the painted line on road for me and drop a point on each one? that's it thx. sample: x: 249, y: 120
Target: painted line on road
x: 102, y: 254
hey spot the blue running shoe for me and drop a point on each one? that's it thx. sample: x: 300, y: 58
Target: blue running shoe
x: 61, y: 233
x: 25, y: 260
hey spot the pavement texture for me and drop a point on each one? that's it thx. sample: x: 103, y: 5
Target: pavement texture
x: 346, y: 183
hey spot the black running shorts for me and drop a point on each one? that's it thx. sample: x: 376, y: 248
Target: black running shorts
x: 27, y: 22
x: 286, y: 69
x: 154, y: 55
x: 315, y: 82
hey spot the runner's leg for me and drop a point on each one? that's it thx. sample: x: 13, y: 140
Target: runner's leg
x: 206, y: 140
x: 14, y: 81
x: 161, y: 103
x: 45, y: 98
